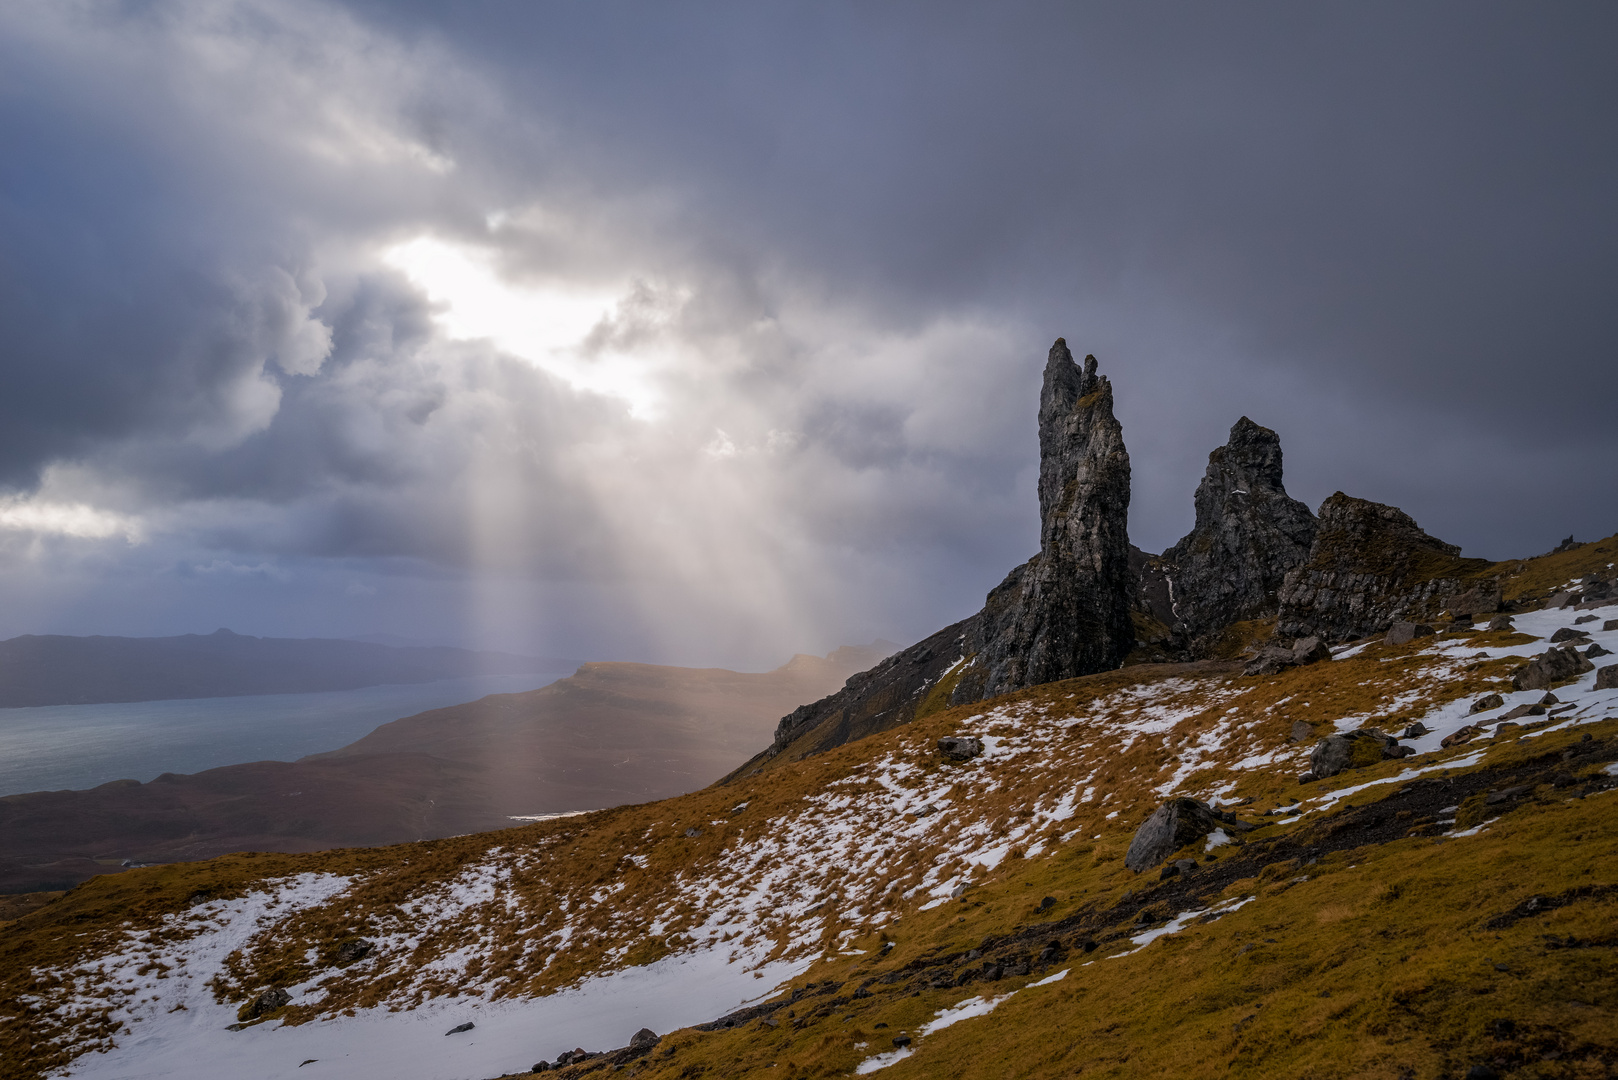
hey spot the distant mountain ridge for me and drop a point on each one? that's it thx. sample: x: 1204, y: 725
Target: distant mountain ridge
x: 52, y: 669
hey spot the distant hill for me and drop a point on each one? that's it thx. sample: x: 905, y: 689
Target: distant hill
x: 613, y: 733
x: 51, y: 669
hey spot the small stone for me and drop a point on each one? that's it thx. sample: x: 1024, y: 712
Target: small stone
x: 1501, y: 622
x: 1417, y: 730
x: 468, y: 1026
x: 1582, y: 619
x: 267, y: 1002
x: 1047, y: 903
x: 901, y: 1040
x: 1486, y: 702
x: 693, y: 833
x: 960, y: 747
x: 1302, y: 732
x: 350, y: 951
x: 1402, y: 633
x: 1550, y: 699
x: 1607, y: 678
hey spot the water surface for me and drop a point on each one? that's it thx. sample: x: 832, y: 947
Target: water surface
x: 79, y: 746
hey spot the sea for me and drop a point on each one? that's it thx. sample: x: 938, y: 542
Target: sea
x: 56, y: 747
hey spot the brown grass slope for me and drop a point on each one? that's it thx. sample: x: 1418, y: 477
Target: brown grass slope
x: 612, y: 733
x: 1373, y: 945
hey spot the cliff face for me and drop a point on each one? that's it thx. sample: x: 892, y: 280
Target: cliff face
x: 1066, y: 612
x: 1248, y: 535
x: 1369, y: 565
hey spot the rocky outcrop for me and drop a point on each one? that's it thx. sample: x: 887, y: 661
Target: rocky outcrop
x: 1172, y: 826
x: 1549, y: 668
x: 1370, y: 565
x: 1066, y: 612
x: 1248, y: 534
x: 1353, y: 750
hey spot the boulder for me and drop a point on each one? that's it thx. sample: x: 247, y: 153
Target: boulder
x: 1417, y: 730
x: 1247, y: 535
x: 960, y: 747
x: 1596, y: 650
x: 1501, y: 622
x: 1402, y: 633
x: 1550, y: 666
x: 1178, y: 822
x: 351, y: 951
x: 1607, y: 678
x: 1310, y: 650
x: 1486, y: 702
x: 1464, y: 735
x: 267, y: 1002
x: 1550, y: 699
x: 1568, y: 633
x: 1352, y: 750
x: 1301, y: 732
x: 1609, y: 626
x: 468, y: 1026
x: 1524, y: 710
x: 644, y: 1039
x: 1582, y: 619
x: 1271, y: 660
x: 1558, y: 601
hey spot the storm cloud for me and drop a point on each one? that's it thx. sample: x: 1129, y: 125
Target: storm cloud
x: 705, y: 333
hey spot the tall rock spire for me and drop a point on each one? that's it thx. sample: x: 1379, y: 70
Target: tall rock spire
x: 1065, y: 612
x: 1248, y: 534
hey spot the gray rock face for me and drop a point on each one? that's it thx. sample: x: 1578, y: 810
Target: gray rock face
x: 960, y: 747
x: 1550, y: 666
x: 1370, y: 566
x: 1352, y: 750
x: 1403, y: 633
x: 1066, y: 612
x: 1249, y: 532
x: 1173, y: 825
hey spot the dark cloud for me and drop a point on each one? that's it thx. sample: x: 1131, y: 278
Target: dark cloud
x: 840, y: 237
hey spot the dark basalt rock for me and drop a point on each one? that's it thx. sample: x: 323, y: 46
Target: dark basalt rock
x: 1173, y: 825
x: 1370, y: 566
x: 1352, y: 750
x: 1550, y: 666
x: 1248, y: 534
x: 960, y: 747
x: 1065, y: 612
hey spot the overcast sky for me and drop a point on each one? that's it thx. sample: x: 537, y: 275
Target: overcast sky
x: 707, y: 333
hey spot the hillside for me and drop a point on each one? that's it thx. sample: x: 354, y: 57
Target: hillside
x: 612, y: 733
x: 51, y: 669
x: 1446, y: 911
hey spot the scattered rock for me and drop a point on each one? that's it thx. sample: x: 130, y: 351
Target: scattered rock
x: 1310, y: 650
x: 1464, y: 735
x: 1271, y: 660
x: 960, y: 747
x: 1559, y: 601
x: 1418, y: 729
x: 1582, y: 619
x: 1302, y: 732
x: 351, y: 951
x: 644, y: 1039
x: 1047, y: 903
x: 1550, y: 699
x: 901, y: 1040
x: 1178, y: 822
x: 468, y: 1026
x: 266, y: 1003
x: 1352, y: 750
x: 1524, y: 710
x: 1567, y: 633
x: 1550, y: 666
x: 693, y: 833
x: 1495, y: 798
x: 1607, y: 678
x: 1609, y: 625
x: 1306, y: 778
x: 1596, y: 650
x: 1402, y: 633
x: 1501, y: 622
x: 1486, y: 702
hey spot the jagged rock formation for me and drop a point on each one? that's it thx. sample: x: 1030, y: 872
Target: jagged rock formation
x: 1370, y: 566
x: 1248, y: 534
x: 1064, y: 613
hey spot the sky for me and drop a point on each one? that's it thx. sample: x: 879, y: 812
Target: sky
x: 708, y: 333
